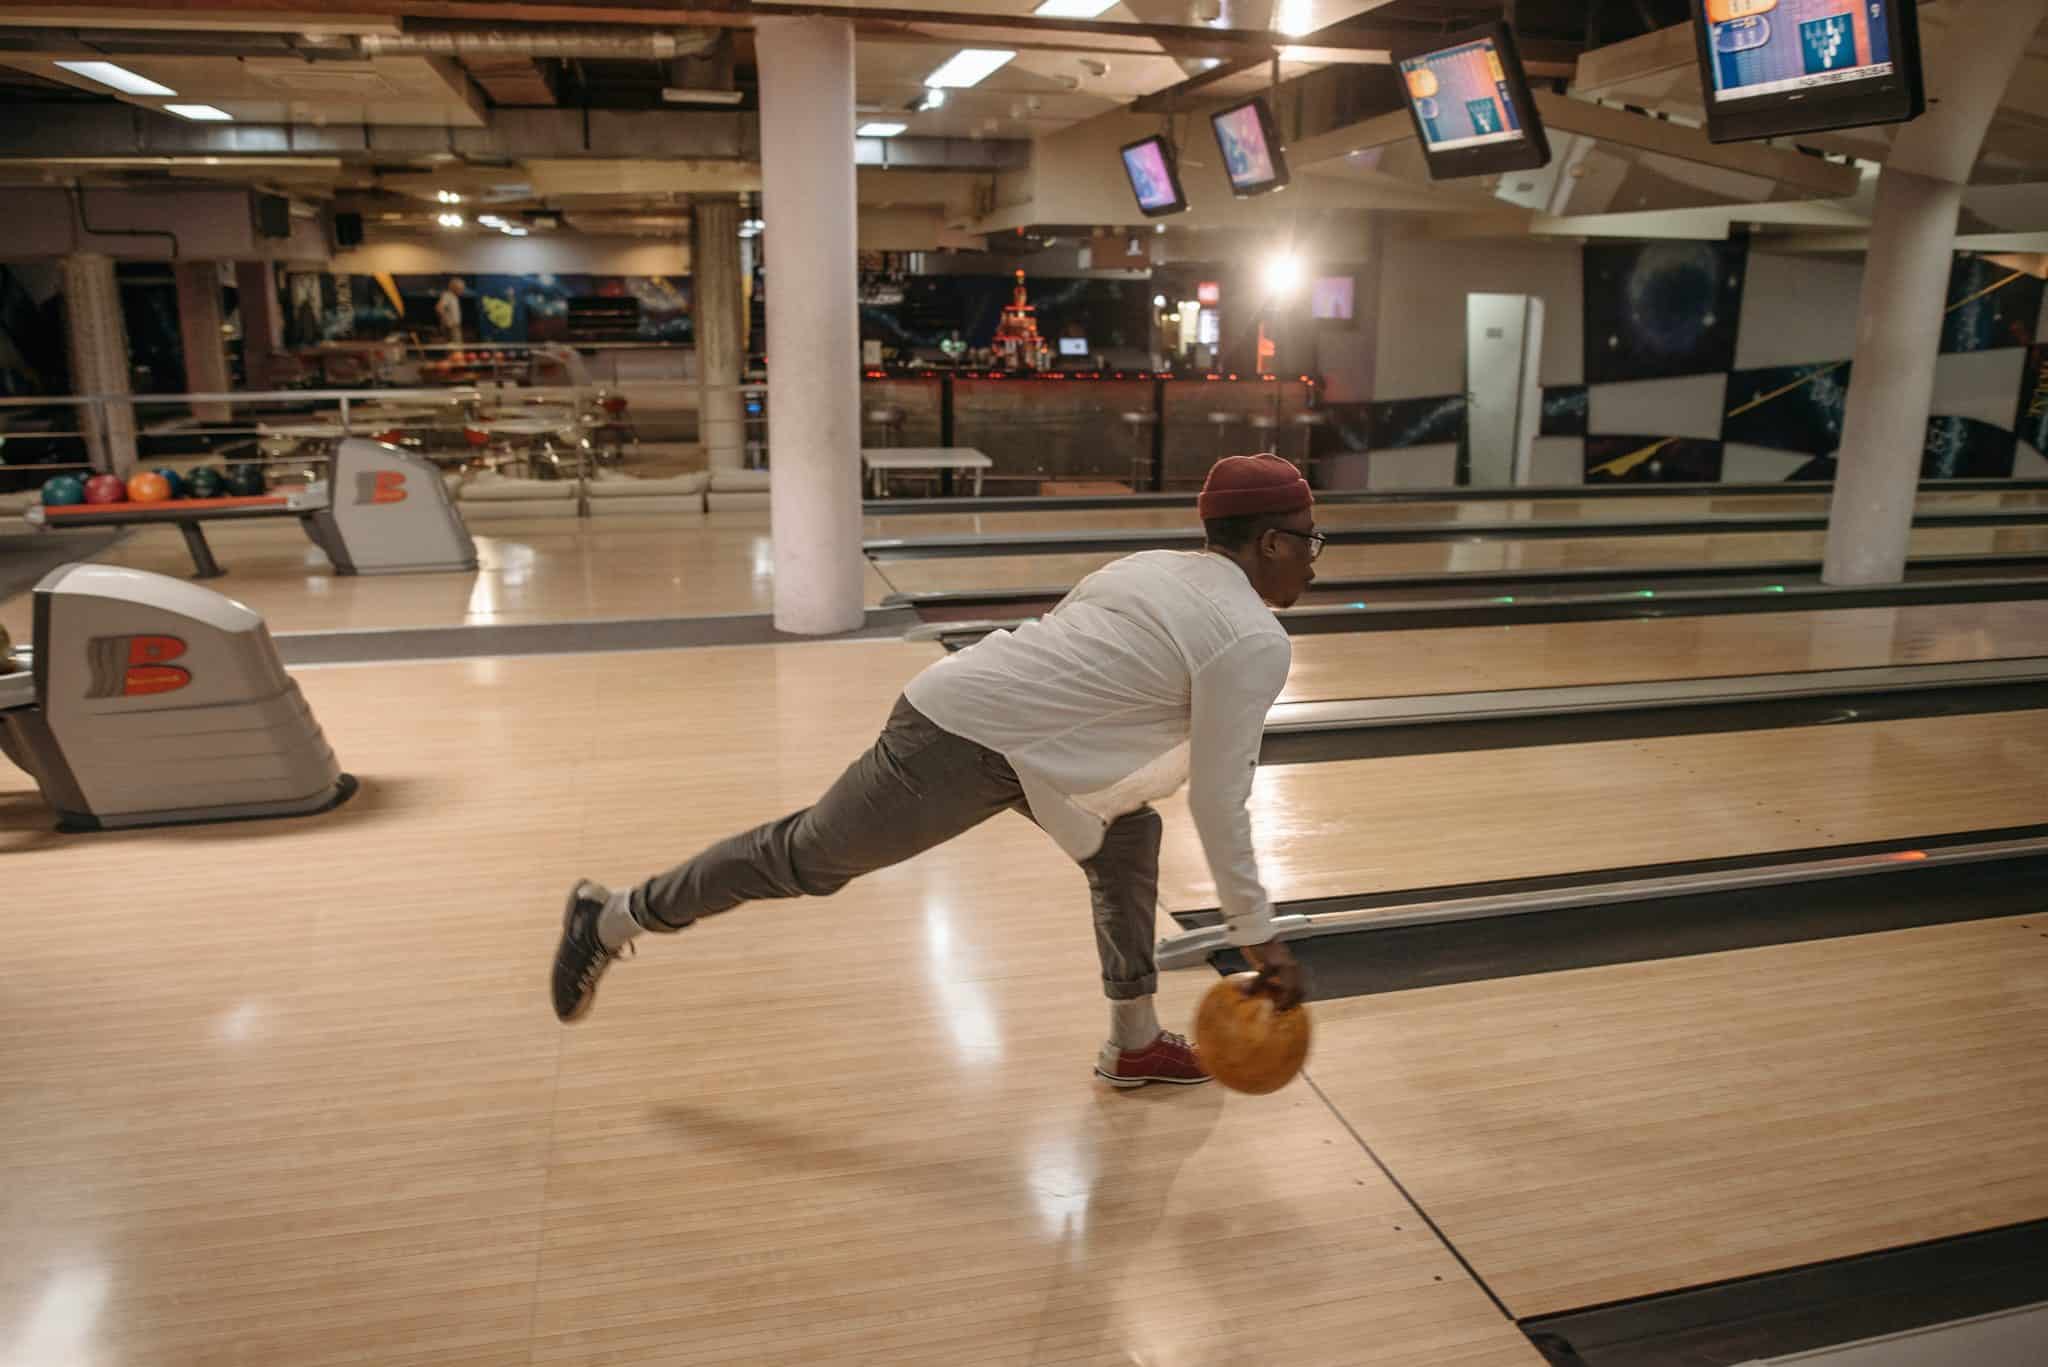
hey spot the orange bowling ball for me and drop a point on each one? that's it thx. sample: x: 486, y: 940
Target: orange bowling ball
x: 148, y: 487
x: 1246, y: 1043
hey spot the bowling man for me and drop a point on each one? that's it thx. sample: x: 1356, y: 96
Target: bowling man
x: 1154, y: 671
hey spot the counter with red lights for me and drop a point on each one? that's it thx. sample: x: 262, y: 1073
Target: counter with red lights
x: 1091, y: 429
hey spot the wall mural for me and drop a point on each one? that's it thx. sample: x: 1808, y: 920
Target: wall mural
x: 1659, y: 309
x: 1652, y: 460
x: 496, y: 307
x: 1788, y: 408
x: 1989, y: 306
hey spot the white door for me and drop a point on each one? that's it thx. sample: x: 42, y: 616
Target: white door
x: 1503, y: 400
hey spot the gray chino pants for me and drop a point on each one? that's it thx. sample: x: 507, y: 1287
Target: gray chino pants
x: 917, y: 788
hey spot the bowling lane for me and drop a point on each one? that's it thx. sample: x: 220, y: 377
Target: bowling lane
x: 531, y: 570
x: 962, y: 573
x: 1335, y: 665
x: 1601, y: 1134
x: 1417, y: 821
x: 1053, y: 518
x: 323, y: 1116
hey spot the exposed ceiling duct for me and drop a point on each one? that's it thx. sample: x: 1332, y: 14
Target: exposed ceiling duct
x: 422, y: 39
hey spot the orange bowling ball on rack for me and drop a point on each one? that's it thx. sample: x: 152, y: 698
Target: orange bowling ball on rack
x: 1245, y: 1042
x: 147, y: 486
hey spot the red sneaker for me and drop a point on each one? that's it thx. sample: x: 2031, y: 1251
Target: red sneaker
x: 1170, y: 1058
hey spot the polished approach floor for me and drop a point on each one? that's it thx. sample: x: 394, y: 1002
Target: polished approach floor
x: 290, y: 1092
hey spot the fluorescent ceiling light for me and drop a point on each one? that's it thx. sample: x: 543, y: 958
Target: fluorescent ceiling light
x: 1073, y: 9
x: 969, y: 66
x: 680, y: 95
x: 879, y: 130
x: 1294, y: 17
x: 200, y: 113
x: 117, y: 77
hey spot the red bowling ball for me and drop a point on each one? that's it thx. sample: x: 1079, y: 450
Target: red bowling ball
x: 106, y: 489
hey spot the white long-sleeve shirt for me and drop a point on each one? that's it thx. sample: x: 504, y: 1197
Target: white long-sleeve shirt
x: 1157, y: 670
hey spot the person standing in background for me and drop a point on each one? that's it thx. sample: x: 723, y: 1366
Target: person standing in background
x: 449, y: 309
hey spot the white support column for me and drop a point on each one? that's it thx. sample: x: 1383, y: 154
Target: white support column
x: 1898, y: 337
x: 199, y: 329
x: 99, y: 359
x: 1905, y: 286
x: 715, y: 284
x: 807, y: 172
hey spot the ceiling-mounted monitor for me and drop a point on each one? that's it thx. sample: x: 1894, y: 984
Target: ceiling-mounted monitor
x: 1470, y: 102
x: 1155, y: 179
x: 1250, y: 143
x: 1770, y: 68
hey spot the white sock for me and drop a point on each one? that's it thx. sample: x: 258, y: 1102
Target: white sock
x: 1132, y: 1024
x: 615, y: 924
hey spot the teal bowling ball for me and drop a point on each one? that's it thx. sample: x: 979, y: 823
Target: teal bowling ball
x: 172, y: 478
x: 245, y: 479
x: 63, y: 491
x: 205, y: 482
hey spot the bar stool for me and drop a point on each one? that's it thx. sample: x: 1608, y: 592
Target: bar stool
x: 890, y: 420
x: 1138, y: 423
x: 1265, y: 429
x: 1306, y: 424
x: 1220, y: 421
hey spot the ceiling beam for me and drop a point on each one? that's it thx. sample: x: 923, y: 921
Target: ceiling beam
x: 1814, y: 176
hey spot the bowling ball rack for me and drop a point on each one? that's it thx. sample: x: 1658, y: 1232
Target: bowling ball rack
x: 190, y: 515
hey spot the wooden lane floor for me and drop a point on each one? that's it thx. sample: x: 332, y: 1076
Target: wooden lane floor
x: 941, y: 574
x: 1421, y: 821
x: 1608, y: 1133
x: 1338, y: 665
x: 298, y: 1096
x: 537, y: 570
x: 1053, y: 518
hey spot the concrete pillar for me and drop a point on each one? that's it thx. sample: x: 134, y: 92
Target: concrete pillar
x: 1905, y: 286
x: 262, y: 322
x: 98, y: 344
x: 1898, y: 338
x: 806, y: 70
x: 715, y: 285
x: 199, y: 328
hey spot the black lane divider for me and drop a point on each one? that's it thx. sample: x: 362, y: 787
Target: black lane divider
x: 1537, y: 493
x: 559, y: 638
x: 1427, y: 602
x: 1074, y: 543
x: 1795, y: 1310
x: 1693, y: 718
x: 1397, y: 958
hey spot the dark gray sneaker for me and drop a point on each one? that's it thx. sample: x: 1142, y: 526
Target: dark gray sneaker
x: 581, y: 958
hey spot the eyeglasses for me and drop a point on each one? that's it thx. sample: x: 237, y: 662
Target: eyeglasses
x: 1316, y: 541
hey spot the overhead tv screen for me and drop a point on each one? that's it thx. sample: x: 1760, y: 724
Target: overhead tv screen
x: 1471, y: 105
x: 1250, y: 143
x: 1770, y: 68
x: 1155, y: 180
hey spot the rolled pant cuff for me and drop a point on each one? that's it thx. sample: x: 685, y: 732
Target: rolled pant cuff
x: 1129, y: 989
x: 636, y: 902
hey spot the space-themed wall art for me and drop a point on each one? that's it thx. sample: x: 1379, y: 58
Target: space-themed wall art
x: 1788, y: 408
x: 1990, y: 306
x: 2031, y: 425
x: 1660, y: 309
x: 1652, y: 460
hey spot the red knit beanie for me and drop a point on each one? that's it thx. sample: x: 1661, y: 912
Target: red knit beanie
x: 1239, y: 486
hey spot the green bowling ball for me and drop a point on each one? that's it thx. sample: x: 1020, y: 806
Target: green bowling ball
x: 62, y: 491
x: 205, y: 482
x: 245, y: 479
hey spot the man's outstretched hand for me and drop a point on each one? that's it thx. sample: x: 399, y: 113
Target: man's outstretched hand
x: 1279, y: 973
